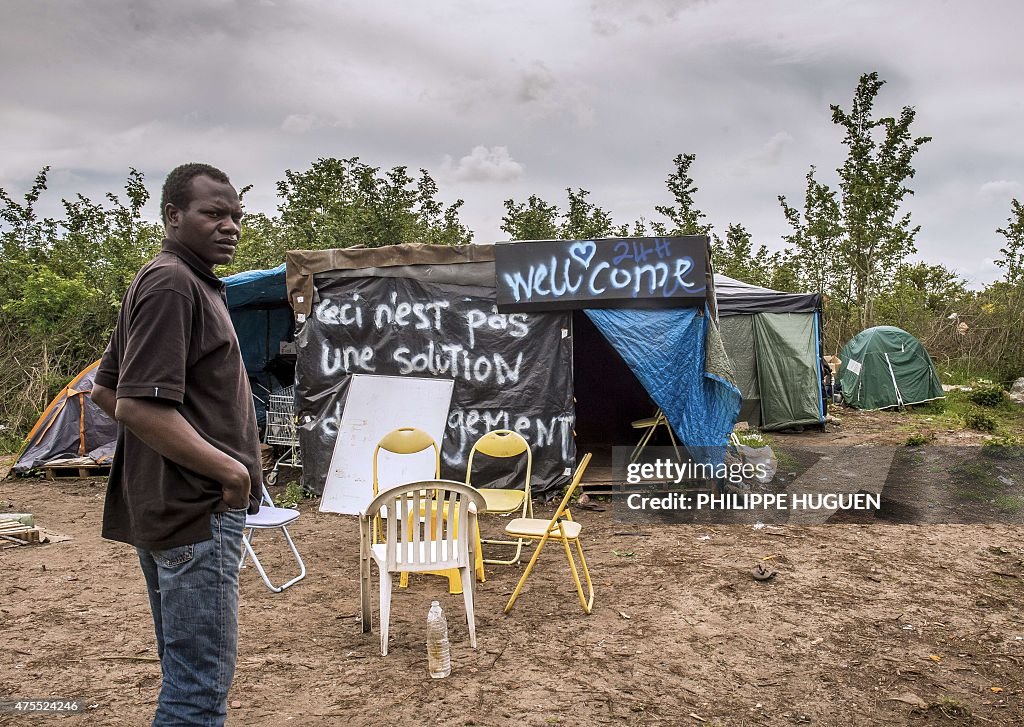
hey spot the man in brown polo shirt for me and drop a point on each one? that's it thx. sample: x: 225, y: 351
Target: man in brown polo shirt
x: 187, y: 464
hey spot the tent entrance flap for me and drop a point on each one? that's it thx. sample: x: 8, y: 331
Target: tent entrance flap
x: 666, y: 350
x: 738, y: 337
x: 787, y: 369
x: 608, y: 395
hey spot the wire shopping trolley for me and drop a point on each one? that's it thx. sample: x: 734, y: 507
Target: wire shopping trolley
x: 281, y: 431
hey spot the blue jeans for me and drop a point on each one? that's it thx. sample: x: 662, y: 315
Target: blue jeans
x: 193, y: 593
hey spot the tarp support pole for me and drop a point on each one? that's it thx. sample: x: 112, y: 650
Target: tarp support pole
x: 817, y: 364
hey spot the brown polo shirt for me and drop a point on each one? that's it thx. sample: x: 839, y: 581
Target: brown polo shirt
x: 174, y: 342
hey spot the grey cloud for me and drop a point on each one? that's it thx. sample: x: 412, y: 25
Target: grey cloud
x: 771, y: 151
x: 609, y: 16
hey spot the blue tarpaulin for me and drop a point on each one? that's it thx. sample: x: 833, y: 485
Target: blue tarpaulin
x: 258, y: 304
x: 666, y: 350
x: 257, y: 287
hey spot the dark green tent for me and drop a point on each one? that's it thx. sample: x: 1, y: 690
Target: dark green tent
x: 773, y: 341
x: 886, y: 366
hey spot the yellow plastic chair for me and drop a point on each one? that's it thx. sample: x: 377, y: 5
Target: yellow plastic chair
x: 504, y: 443
x: 418, y: 542
x: 560, y: 527
x: 412, y: 440
x: 651, y: 424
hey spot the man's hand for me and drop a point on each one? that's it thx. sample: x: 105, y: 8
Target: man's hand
x: 236, y: 485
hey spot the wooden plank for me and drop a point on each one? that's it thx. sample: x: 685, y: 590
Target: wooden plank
x: 75, y: 472
x: 22, y: 536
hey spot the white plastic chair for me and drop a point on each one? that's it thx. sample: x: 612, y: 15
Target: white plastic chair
x: 268, y: 518
x: 435, y: 531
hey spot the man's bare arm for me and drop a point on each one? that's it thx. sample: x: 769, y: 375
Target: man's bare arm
x: 162, y: 427
x: 105, y: 399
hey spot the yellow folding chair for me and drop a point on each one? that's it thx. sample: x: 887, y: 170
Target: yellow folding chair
x: 560, y: 527
x: 651, y: 424
x: 504, y: 443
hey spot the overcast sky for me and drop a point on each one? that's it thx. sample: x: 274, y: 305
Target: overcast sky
x: 501, y: 100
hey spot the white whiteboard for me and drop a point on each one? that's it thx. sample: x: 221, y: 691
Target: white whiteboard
x: 375, y: 405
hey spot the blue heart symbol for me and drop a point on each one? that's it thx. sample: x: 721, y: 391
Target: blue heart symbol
x: 583, y: 252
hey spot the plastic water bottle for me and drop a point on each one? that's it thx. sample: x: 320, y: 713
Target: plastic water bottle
x: 439, y: 659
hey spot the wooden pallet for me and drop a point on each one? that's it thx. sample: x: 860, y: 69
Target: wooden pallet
x: 17, y: 532
x: 75, y: 472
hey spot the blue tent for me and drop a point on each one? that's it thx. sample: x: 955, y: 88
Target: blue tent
x: 258, y: 304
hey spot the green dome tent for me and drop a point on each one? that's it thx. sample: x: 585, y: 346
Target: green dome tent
x: 886, y: 366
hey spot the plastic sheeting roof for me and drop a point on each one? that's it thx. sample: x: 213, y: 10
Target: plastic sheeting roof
x: 737, y: 298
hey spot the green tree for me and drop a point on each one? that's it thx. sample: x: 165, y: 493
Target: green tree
x: 817, y: 233
x: 61, y: 283
x: 24, y: 238
x: 873, y: 184
x: 533, y: 219
x: 347, y: 203
x: 1012, y: 260
x: 734, y: 256
x: 109, y: 243
x: 920, y: 297
x: 684, y: 217
x: 52, y: 306
x: 584, y: 220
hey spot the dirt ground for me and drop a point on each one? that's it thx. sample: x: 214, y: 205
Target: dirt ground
x: 864, y: 624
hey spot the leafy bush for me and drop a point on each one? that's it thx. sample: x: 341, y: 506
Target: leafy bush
x: 916, y: 440
x: 980, y: 422
x: 985, y: 393
x: 291, y: 497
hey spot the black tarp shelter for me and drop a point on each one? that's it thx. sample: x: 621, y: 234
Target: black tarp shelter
x: 426, y: 310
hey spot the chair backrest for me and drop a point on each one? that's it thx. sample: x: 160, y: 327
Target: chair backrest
x: 429, y: 514
x: 576, y: 479
x: 405, y: 440
x: 501, y: 443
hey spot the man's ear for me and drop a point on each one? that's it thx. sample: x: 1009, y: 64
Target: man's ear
x: 172, y: 214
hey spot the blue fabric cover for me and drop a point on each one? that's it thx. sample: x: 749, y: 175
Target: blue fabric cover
x: 665, y: 349
x: 257, y: 287
x: 258, y: 304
